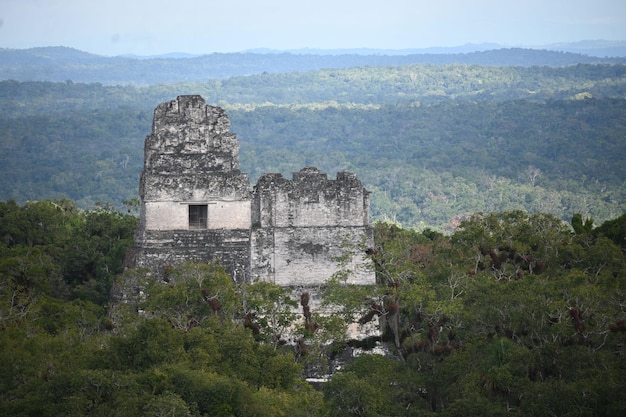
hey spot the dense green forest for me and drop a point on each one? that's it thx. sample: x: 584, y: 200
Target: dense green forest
x: 512, y: 314
x: 368, y: 86
x: 498, y: 204
x: 432, y: 143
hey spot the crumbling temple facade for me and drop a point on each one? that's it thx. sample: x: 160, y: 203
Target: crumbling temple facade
x: 196, y: 205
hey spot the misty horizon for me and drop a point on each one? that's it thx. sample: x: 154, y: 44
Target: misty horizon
x: 156, y: 27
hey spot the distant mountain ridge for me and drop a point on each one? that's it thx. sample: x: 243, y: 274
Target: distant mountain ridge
x: 60, y: 64
x: 467, y: 48
x: 594, y: 48
x: 599, y: 48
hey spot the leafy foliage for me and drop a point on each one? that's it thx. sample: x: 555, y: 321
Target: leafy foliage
x: 481, y: 329
x: 472, y: 324
x: 53, y: 248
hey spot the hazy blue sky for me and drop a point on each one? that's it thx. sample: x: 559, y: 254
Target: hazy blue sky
x: 112, y: 27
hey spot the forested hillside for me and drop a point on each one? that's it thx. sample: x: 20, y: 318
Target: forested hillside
x: 370, y: 86
x: 58, y: 64
x: 512, y: 314
x: 432, y: 143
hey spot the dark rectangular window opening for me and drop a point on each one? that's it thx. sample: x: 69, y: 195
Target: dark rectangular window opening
x: 198, y: 216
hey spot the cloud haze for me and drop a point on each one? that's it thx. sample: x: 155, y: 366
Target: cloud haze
x: 114, y: 27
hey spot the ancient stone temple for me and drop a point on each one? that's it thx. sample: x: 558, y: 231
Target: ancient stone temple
x: 197, y: 206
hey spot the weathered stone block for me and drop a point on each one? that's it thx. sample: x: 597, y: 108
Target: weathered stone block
x: 197, y: 206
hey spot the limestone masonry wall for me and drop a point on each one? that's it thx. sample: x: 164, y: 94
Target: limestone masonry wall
x: 310, y: 200
x: 196, y: 205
